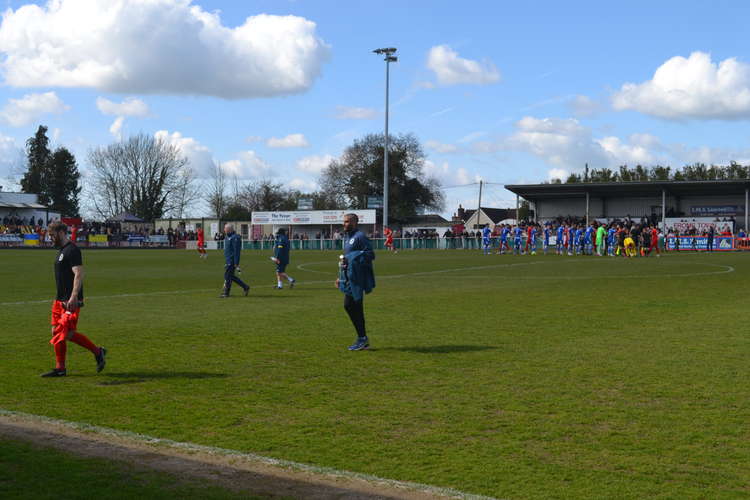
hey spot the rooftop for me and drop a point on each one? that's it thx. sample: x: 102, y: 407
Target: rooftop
x: 630, y: 189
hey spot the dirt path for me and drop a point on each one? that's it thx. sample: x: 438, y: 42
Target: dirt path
x: 233, y: 472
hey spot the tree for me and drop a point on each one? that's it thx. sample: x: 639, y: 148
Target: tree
x: 63, y: 187
x: 52, y: 176
x: 143, y: 175
x: 36, y: 179
x: 359, y: 174
x: 266, y: 196
x: 572, y: 178
x: 217, y: 192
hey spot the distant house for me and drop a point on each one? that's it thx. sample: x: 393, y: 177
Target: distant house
x: 427, y: 222
x: 486, y: 216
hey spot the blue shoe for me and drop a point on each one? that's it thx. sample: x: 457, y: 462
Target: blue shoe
x: 361, y: 344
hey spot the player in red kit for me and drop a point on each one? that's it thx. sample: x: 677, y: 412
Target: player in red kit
x: 654, y: 241
x: 202, y: 244
x: 529, y: 228
x: 388, y: 232
x: 68, y: 302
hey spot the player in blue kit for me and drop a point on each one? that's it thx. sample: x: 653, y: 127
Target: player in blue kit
x: 578, y: 249
x: 588, y: 240
x: 571, y: 239
x: 560, y: 239
x: 504, y: 234
x: 547, y: 231
x: 517, y: 232
x: 486, y: 242
x: 611, y: 233
x: 281, y: 258
x: 532, y: 241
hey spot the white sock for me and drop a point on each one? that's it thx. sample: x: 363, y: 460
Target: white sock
x: 289, y: 279
x: 279, y: 283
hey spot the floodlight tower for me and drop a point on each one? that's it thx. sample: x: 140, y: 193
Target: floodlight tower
x: 388, y: 58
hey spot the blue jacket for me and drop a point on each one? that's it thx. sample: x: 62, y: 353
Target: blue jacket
x: 281, y: 250
x: 232, y: 248
x: 359, y: 277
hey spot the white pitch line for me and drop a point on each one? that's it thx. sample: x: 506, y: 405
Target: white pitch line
x: 252, y: 457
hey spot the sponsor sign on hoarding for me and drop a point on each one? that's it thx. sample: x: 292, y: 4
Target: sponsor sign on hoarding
x: 312, y: 217
x: 699, y: 224
x: 374, y: 202
x: 716, y: 210
x: 688, y: 243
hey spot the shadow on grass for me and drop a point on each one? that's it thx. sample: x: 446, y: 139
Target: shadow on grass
x: 138, y: 377
x: 439, y: 349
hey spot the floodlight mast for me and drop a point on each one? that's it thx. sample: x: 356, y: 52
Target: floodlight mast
x: 389, y: 58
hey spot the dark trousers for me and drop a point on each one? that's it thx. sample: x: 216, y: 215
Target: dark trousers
x: 710, y: 244
x: 356, y: 311
x: 229, y: 277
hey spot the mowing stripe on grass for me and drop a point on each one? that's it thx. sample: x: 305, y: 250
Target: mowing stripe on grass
x: 223, y: 452
x: 724, y: 270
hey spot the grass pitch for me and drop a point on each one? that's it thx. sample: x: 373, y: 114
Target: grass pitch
x: 515, y: 377
x: 29, y: 472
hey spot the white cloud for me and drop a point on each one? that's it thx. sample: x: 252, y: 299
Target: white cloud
x: 12, y: 160
x: 158, y: 47
x: 450, y: 69
x: 684, y: 154
x: 20, y: 112
x: 472, y: 137
x: 691, y: 88
x: 425, y: 85
x: 129, y: 107
x: 558, y: 173
x: 440, y: 147
x: 565, y: 143
x: 347, y: 113
x: 647, y: 141
x: 314, y: 164
x: 290, y: 141
x: 253, y: 138
x: 116, y: 128
x: 584, y: 106
x: 199, y: 156
x: 447, y: 175
x: 622, y: 153
x: 303, y: 185
x: 247, y: 165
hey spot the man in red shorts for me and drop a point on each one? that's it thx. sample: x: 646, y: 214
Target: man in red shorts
x: 388, y: 232
x: 68, y: 303
x: 654, y: 241
x: 201, y: 244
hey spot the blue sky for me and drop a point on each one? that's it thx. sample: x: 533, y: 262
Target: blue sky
x: 506, y: 92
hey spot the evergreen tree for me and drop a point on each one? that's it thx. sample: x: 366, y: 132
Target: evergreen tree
x: 64, y: 188
x: 36, y: 179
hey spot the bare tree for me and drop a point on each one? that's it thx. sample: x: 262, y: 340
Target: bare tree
x: 143, y: 175
x: 265, y: 195
x: 217, y: 191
